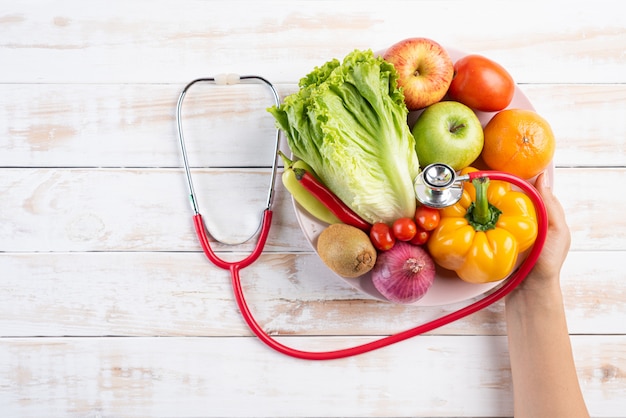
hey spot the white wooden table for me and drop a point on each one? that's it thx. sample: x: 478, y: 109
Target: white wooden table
x: 109, y: 308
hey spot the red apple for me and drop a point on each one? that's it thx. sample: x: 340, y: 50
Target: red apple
x: 425, y: 70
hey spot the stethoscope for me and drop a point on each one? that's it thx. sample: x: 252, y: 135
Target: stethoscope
x: 437, y: 185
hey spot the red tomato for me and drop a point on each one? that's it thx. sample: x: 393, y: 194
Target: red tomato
x: 382, y: 237
x: 427, y: 218
x: 421, y: 237
x: 481, y: 84
x: 404, y: 229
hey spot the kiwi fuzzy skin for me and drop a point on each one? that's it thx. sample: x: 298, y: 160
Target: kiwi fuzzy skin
x: 346, y: 250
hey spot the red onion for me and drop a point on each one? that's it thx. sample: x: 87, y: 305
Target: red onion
x: 404, y: 273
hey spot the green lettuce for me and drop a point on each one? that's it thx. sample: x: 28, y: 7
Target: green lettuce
x: 348, y: 121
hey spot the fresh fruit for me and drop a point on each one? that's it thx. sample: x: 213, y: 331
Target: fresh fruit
x: 421, y: 237
x: 382, y: 236
x: 346, y: 250
x: 427, y: 218
x: 404, y: 229
x: 518, y: 141
x: 481, y: 84
x: 404, y: 274
x: 424, y: 69
x: 448, y: 132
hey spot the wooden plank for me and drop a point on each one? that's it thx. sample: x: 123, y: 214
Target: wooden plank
x: 586, y: 199
x: 240, y: 377
x: 583, y: 120
x: 107, y: 306
x: 120, y: 43
x: 182, y: 294
x: 89, y: 125
x: 92, y: 210
x: 121, y: 125
x: 125, y: 209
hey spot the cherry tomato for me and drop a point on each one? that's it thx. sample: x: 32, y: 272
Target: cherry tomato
x: 382, y: 237
x: 404, y: 229
x: 427, y: 218
x: 481, y: 84
x: 421, y: 237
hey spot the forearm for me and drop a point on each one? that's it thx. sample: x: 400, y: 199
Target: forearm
x: 545, y: 383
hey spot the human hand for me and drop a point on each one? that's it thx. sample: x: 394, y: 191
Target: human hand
x: 548, y: 267
x: 542, y: 366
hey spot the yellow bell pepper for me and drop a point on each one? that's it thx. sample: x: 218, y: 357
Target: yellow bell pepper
x: 481, y: 236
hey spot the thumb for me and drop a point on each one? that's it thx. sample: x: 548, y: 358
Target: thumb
x: 555, y: 211
x: 542, y: 184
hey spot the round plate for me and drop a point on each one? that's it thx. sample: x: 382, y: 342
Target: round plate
x: 447, y: 287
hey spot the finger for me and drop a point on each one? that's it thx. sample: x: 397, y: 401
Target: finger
x: 556, y: 213
x: 553, y: 206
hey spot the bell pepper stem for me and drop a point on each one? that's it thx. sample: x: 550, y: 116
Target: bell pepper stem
x: 481, y: 214
x: 481, y: 210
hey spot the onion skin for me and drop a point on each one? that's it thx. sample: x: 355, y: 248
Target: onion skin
x: 404, y: 273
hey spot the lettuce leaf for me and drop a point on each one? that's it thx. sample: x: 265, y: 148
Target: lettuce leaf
x: 348, y: 121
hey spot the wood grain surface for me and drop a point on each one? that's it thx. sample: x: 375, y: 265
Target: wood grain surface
x: 108, y: 308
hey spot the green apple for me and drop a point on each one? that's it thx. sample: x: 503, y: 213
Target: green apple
x: 448, y: 132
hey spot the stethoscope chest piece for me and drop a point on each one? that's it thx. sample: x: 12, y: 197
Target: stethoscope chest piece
x: 438, y: 186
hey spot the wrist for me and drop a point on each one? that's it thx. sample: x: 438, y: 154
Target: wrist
x: 540, y: 297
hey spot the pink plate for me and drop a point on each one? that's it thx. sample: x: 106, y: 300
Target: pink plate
x: 447, y: 287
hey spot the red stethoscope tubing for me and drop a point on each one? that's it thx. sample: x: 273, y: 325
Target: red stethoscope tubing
x: 229, y: 265
x: 511, y: 283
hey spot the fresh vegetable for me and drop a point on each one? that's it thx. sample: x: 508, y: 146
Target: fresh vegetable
x: 427, y: 218
x: 329, y: 199
x: 404, y: 229
x: 304, y: 198
x: 481, y: 84
x: 382, y: 237
x: 348, y: 121
x: 481, y: 236
x: 346, y: 250
x: 421, y: 237
x: 404, y: 273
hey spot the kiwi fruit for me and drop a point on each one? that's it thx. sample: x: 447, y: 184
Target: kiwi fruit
x: 346, y: 250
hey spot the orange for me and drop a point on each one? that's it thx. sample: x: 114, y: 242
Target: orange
x: 518, y: 141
